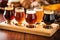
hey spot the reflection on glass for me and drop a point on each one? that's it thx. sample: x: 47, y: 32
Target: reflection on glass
x: 8, y: 14
x: 48, y: 18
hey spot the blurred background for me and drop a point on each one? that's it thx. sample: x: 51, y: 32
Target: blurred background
x: 46, y: 4
x: 26, y: 4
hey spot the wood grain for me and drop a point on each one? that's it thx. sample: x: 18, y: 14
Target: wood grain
x: 39, y: 30
x: 35, y: 37
x: 11, y: 35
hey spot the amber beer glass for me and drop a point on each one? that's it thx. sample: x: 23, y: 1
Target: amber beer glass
x: 39, y: 13
x: 31, y: 18
x: 19, y: 15
x: 9, y: 14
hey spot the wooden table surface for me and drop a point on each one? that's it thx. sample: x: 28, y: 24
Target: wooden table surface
x: 11, y: 35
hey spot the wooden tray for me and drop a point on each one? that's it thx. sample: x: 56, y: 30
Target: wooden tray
x: 39, y: 30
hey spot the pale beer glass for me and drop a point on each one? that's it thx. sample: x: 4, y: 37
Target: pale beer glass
x: 19, y: 15
x: 39, y: 13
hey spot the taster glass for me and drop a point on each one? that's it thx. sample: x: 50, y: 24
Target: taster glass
x: 39, y: 13
x: 19, y: 15
x: 9, y: 14
x: 48, y: 18
x: 31, y: 18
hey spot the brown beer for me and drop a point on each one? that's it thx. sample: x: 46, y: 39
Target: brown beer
x: 19, y: 15
x: 31, y: 16
x: 9, y: 13
x: 39, y: 13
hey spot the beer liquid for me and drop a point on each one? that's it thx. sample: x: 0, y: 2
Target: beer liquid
x: 9, y: 14
x: 49, y: 18
x: 31, y: 18
x: 20, y: 16
x: 40, y: 15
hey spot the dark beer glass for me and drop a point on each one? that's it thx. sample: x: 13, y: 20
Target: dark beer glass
x: 19, y: 15
x: 9, y: 14
x: 31, y: 18
x: 48, y: 18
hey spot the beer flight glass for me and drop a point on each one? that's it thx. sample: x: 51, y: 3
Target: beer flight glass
x: 19, y: 15
x: 39, y: 13
x: 48, y: 18
x: 8, y: 14
x: 31, y: 18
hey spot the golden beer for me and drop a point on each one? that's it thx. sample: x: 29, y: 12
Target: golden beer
x: 39, y: 13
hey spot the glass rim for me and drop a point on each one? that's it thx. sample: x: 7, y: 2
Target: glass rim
x: 8, y: 8
x: 48, y: 12
x: 19, y: 9
x: 38, y: 9
x: 30, y: 11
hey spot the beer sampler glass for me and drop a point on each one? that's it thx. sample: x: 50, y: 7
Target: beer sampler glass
x: 39, y: 13
x: 31, y: 18
x: 9, y: 14
x: 19, y: 15
x: 48, y: 18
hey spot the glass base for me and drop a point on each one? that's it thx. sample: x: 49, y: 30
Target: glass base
x: 47, y: 27
x: 18, y: 24
x: 30, y: 26
x: 8, y: 22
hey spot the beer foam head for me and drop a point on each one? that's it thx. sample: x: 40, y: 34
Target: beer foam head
x: 8, y: 8
x: 48, y: 11
x: 19, y: 9
x: 38, y: 9
x: 30, y: 11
